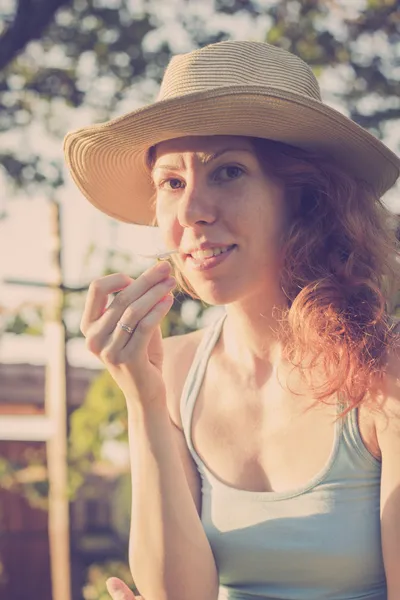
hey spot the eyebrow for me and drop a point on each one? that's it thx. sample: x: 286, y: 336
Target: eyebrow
x: 208, y: 158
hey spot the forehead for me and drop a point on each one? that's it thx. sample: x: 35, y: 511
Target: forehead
x: 201, y: 145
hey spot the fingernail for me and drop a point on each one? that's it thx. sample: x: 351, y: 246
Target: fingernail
x: 163, y: 267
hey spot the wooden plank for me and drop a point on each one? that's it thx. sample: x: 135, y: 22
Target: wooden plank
x: 57, y: 463
x: 26, y: 428
x: 56, y: 409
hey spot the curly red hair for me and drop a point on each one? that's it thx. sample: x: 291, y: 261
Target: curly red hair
x: 340, y: 273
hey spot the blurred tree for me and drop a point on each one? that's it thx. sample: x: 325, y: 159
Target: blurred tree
x: 100, y: 419
x: 30, y: 20
x: 28, y: 320
x: 94, y: 55
x: 27, y: 475
x: 95, y: 588
x: 81, y: 48
x: 362, y: 45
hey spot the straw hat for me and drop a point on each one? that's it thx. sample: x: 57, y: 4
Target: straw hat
x: 229, y: 88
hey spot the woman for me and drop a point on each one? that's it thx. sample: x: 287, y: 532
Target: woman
x: 265, y: 448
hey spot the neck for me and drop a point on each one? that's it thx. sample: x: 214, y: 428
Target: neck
x: 250, y: 336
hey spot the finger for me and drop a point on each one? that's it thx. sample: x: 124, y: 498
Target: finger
x: 133, y: 292
x: 98, y: 332
x: 118, y: 590
x: 97, y: 296
x: 135, y: 313
x: 146, y: 327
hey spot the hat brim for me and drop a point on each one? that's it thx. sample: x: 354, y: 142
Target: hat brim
x: 108, y: 160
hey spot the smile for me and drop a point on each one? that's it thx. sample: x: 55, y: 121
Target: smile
x: 202, y: 254
x: 202, y: 260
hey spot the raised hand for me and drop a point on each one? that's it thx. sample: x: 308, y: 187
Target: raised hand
x: 126, y: 335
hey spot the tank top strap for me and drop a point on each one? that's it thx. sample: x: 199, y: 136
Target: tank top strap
x: 196, y: 373
x: 352, y: 443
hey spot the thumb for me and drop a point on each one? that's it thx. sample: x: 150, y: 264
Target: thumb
x: 118, y: 590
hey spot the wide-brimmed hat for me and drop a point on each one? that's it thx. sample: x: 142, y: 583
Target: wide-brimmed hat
x: 239, y: 88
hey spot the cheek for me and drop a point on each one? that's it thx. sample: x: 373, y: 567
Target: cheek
x: 170, y: 230
x: 268, y: 221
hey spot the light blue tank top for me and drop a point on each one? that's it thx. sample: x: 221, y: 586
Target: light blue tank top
x: 318, y: 542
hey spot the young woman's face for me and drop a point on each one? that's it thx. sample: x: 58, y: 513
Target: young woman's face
x: 212, y: 191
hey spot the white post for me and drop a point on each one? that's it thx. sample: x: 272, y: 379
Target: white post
x: 56, y: 411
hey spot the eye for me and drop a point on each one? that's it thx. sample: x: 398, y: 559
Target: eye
x: 229, y: 172
x: 172, y: 183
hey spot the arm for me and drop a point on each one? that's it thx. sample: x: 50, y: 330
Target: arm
x: 173, y: 347
x: 388, y: 435
x: 170, y: 556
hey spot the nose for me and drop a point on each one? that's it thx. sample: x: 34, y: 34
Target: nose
x: 196, y: 206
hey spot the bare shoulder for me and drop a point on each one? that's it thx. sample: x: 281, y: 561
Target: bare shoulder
x: 388, y: 433
x: 179, y: 351
x: 388, y: 418
x: 379, y: 416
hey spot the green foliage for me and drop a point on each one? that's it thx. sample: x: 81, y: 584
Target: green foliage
x: 27, y: 476
x: 78, y: 46
x: 91, y: 55
x: 28, y: 321
x: 101, y: 418
x: 17, y: 325
x: 97, y: 575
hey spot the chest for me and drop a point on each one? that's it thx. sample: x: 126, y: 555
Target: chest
x: 264, y: 441
x: 319, y: 542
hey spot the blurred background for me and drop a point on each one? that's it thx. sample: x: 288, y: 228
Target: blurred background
x: 64, y: 482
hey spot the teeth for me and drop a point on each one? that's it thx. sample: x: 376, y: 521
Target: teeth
x: 202, y: 254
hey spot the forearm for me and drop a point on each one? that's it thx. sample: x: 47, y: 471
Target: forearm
x: 170, y: 556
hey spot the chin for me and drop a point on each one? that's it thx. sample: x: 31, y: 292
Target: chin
x: 217, y: 294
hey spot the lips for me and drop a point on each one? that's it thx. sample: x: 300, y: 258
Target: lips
x: 202, y: 254
x: 208, y: 258
x: 206, y: 246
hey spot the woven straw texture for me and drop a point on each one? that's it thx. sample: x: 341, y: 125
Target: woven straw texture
x: 230, y: 88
